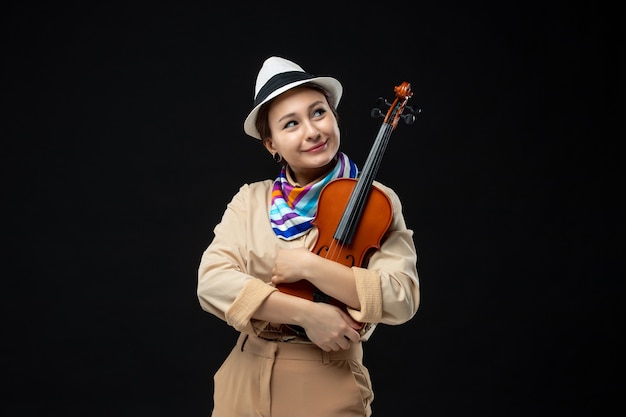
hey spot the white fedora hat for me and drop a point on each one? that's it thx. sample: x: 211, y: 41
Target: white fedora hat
x: 278, y: 75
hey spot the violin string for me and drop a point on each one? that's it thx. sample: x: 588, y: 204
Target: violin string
x: 334, y: 249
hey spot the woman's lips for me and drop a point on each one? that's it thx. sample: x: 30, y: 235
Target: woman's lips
x: 317, y: 148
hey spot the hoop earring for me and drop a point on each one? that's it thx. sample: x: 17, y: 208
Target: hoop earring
x: 277, y: 157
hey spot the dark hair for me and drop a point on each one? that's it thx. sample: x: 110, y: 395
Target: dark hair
x: 262, y: 124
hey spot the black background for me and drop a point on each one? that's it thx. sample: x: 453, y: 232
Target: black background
x: 122, y: 142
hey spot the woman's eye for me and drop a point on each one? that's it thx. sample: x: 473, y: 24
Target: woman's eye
x: 290, y: 124
x: 319, y: 112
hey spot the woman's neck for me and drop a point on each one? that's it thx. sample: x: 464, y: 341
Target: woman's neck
x: 303, y: 179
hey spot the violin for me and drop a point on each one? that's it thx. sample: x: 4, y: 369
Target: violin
x: 353, y: 215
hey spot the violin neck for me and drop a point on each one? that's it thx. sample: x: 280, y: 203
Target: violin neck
x: 358, y: 199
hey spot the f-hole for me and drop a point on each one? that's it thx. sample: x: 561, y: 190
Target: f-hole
x: 349, y: 258
x: 323, y: 248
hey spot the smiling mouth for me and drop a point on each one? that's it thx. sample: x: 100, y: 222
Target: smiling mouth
x: 316, y: 148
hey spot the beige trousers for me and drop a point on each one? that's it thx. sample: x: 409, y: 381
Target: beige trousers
x: 260, y: 378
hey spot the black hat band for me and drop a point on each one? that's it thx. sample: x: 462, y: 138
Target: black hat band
x: 278, y: 81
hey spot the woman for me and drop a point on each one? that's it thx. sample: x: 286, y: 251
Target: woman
x: 294, y: 356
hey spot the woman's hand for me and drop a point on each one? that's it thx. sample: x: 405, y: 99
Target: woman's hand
x: 329, y: 327
x: 292, y: 265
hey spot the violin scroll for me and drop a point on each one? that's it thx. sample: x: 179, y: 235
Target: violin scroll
x: 395, y: 109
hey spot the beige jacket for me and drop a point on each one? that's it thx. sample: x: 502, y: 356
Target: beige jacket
x: 235, y: 270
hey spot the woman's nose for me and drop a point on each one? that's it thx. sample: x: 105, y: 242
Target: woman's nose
x: 312, y: 131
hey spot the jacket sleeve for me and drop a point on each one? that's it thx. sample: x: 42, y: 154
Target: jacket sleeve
x: 225, y: 288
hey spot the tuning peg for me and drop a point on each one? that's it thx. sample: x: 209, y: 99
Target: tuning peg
x: 412, y: 110
x: 408, y: 118
x: 381, y: 101
x: 377, y: 113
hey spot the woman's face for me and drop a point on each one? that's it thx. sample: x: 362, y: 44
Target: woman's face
x: 304, y: 131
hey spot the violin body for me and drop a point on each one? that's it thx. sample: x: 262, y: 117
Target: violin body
x: 374, y: 223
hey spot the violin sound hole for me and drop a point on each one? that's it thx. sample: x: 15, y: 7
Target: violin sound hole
x: 322, y: 249
x: 350, y: 260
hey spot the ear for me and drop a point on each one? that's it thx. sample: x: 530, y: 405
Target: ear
x: 269, y: 145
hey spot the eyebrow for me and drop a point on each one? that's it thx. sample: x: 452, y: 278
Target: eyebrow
x: 314, y: 104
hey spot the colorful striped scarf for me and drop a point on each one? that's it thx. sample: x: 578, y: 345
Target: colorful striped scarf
x: 293, y: 208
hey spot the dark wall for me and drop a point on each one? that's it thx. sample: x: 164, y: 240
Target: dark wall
x: 122, y: 142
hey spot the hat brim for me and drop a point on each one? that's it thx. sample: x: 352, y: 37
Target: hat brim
x: 330, y: 84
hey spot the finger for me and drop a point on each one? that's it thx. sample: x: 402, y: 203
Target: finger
x: 345, y: 344
x: 353, y: 337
